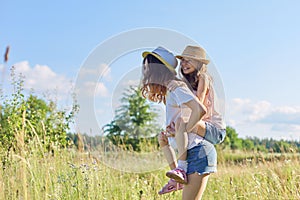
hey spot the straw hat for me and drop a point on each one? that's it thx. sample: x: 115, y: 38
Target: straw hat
x: 165, y: 56
x: 194, y: 52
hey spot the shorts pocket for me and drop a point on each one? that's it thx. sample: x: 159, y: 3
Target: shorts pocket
x: 211, y: 153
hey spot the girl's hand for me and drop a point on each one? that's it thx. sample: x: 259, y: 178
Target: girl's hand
x: 163, y: 139
x: 170, y: 130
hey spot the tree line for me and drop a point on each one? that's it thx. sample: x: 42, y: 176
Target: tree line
x: 28, y: 118
x: 135, y: 122
x: 231, y: 142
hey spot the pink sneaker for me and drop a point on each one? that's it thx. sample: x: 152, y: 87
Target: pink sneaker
x: 178, y: 175
x: 171, y: 186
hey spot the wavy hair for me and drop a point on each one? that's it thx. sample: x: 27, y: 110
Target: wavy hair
x: 156, y: 76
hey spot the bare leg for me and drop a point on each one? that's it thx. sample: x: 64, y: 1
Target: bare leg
x: 179, y: 174
x: 167, y: 150
x: 181, y: 139
x: 170, y: 156
x: 200, y: 128
x: 196, y: 187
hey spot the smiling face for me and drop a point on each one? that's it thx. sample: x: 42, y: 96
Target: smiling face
x: 188, y: 65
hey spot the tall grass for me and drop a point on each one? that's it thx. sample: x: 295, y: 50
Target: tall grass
x: 279, y: 179
x: 69, y: 174
x: 31, y: 172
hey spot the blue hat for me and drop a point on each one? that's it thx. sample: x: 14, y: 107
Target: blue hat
x: 165, y: 56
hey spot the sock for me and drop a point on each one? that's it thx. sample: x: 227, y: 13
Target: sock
x: 182, y: 164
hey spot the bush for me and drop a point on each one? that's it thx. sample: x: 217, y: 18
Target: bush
x: 22, y: 119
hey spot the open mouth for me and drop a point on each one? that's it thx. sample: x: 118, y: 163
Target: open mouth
x: 185, y: 68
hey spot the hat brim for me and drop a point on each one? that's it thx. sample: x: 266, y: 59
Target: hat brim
x: 201, y: 60
x: 146, y: 53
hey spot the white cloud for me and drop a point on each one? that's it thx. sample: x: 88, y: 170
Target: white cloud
x: 283, y: 115
x: 263, y: 119
x: 132, y: 82
x: 103, y: 71
x: 251, y: 111
x: 260, y: 110
x: 89, y: 88
x: 288, y: 131
x: 286, y: 128
x: 95, y: 89
x: 238, y: 105
x: 41, y: 78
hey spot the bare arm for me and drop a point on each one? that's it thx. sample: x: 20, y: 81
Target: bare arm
x: 198, y: 111
x: 202, y: 88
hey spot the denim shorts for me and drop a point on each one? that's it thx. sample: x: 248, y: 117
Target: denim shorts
x: 214, y: 134
x: 202, y: 158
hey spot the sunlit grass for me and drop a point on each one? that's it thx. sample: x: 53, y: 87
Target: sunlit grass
x: 68, y: 174
x: 264, y: 180
x: 71, y: 175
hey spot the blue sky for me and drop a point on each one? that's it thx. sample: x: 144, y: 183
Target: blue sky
x: 253, y: 44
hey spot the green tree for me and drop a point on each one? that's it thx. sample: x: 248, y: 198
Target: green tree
x: 232, y: 138
x: 134, y: 120
x: 248, y: 144
x: 32, y: 117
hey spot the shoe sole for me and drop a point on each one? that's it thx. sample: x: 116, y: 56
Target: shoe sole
x: 170, y: 190
x: 176, y: 178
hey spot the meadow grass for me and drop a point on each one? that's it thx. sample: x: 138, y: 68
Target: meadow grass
x: 69, y: 174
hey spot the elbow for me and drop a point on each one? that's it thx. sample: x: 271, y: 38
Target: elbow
x: 202, y: 110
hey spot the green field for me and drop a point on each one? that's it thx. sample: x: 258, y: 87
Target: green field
x: 68, y: 174
x: 39, y: 160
